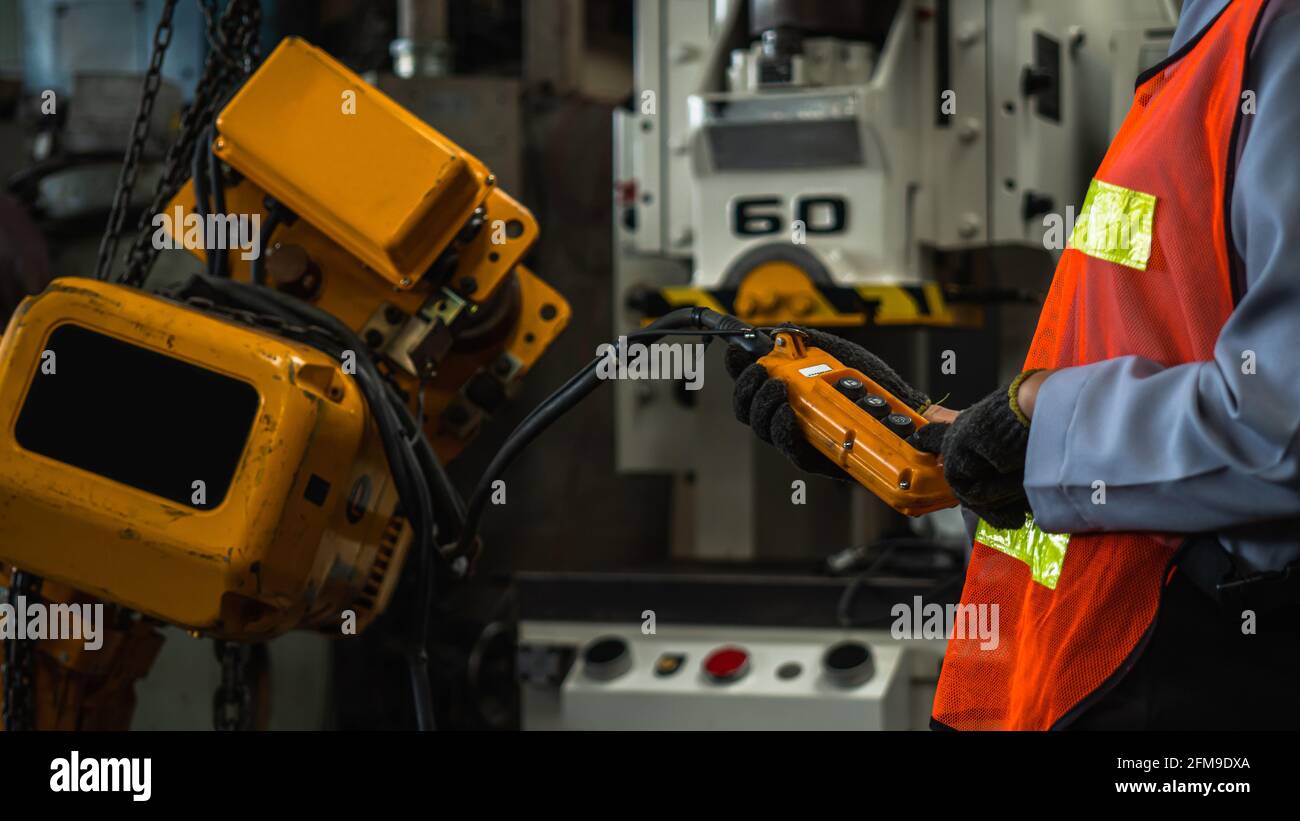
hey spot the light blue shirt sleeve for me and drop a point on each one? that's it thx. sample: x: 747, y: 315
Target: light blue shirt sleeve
x: 1206, y: 446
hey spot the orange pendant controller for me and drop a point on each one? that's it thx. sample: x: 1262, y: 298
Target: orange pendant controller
x: 859, y: 426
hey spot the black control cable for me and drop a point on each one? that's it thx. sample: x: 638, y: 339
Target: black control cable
x: 276, y: 215
x: 682, y: 322
x: 427, y: 497
x: 217, y: 185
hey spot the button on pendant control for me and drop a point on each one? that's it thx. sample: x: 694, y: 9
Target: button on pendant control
x: 851, y: 387
x: 900, y: 424
x: 875, y: 405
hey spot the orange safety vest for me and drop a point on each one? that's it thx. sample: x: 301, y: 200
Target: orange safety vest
x: 1149, y: 271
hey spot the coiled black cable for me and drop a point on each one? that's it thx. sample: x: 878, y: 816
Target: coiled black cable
x: 199, y: 174
x: 426, y: 494
x: 276, y: 214
x: 217, y: 185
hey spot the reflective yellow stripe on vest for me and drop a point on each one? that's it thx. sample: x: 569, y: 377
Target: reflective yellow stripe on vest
x: 1115, y: 224
x: 1043, y: 552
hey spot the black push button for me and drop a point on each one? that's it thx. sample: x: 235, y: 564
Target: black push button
x: 848, y: 664
x: 900, y: 424
x: 605, y: 659
x: 851, y: 387
x: 874, y: 405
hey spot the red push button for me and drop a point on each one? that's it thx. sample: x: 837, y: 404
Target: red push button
x: 726, y: 664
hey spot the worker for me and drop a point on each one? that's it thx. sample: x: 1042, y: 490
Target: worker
x: 1137, y: 486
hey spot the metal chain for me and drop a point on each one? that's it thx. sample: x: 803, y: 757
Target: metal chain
x: 19, y: 676
x: 239, y: 25
x: 217, y: 44
x: 237, y: 31
x: 230, y: 703
x: 162, y: 37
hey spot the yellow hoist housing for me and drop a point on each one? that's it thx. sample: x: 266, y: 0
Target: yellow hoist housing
x: 185, y: 466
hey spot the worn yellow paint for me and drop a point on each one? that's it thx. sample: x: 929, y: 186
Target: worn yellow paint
x: 177, y: 564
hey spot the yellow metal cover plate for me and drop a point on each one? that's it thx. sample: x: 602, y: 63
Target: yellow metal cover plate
x: 307, y: 129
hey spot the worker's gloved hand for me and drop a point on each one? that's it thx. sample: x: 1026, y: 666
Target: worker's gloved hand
x: 984, y: 456
x: 760, y: 401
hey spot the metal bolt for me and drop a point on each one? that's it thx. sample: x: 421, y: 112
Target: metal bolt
x: 970, y: 34
x: 969, y: 131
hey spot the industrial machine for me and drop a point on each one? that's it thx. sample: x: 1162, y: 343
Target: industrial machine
x: 887, y: 170
x: 260, y: 448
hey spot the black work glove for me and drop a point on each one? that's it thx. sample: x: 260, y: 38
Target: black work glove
x: 984, y: 456
x: 761, y: 401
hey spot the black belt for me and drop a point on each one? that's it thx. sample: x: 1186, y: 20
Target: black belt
x: 1207, y: 565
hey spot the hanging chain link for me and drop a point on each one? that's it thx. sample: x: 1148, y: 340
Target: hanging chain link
x: 233, y: 54
x: 162, y: 37
x: 231, y: 701
x: 19, y: 673
x: 222, y: 72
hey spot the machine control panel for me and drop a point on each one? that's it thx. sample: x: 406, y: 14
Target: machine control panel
x: 718, y: 677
